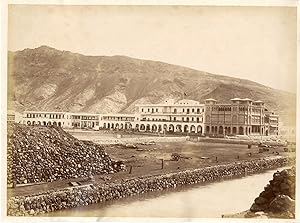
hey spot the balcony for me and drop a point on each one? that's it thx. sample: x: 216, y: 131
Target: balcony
x: 171, y: 113
x: 177, y: 121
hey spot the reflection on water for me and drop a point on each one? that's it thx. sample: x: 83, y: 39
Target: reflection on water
x: 208, y: 200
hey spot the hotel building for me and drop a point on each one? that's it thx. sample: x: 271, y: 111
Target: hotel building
x: 240, y: 117
x: 184, y: 116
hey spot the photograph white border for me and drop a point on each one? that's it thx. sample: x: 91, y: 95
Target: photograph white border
x: 3, y: 100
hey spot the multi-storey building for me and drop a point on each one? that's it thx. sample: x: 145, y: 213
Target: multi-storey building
x: 85, y: 120
x: 240, y: 117
x: 183, y: 116
x: 118, y: 121
x: 11, y: 117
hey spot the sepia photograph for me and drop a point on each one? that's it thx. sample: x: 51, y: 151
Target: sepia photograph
x: 150, y: 111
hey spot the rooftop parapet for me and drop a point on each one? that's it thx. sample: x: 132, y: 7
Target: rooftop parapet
x: 210, y: 101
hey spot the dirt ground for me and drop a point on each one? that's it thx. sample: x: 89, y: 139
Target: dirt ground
x: 147, y: 160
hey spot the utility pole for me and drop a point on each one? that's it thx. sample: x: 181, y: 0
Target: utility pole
x: 224, y: 132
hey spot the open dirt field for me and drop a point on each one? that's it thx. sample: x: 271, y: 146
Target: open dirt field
x: 147, y: 159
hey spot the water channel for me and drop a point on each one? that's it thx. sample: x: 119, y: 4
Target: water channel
x: 197, y: 201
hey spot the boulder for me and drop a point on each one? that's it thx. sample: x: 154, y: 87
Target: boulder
x: 284, y: 186
x: 282, y: 203
x: 260, y: 200
x: 255, y: 208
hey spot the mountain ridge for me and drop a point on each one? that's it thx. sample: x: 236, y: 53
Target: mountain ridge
x: 133, y: 58
x: 45, y: 78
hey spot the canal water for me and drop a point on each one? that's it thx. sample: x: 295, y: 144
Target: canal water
x: 197, y: 201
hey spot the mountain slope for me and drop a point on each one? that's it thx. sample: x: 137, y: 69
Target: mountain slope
x: 52, y: 80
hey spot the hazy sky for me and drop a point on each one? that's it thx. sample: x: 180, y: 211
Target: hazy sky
x: 255, y: 43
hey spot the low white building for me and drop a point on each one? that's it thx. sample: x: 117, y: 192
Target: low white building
x: 63, y: 119
x: 118, y: 121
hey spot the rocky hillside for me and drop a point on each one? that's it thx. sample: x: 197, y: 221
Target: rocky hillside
x: 48, y: 79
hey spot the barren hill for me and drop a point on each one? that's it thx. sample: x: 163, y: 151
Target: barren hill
x: 48, y: 79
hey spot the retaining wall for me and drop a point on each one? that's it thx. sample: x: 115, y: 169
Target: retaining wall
x: 88, y: 194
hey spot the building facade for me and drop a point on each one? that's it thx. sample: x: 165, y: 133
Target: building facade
x: 118, y: 121
x: 240, y: 117
x: 185, y: 116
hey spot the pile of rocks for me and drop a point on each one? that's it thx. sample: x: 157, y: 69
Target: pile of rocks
x: 94, y: 193
x: 44, y: 154
x: 279, y: 195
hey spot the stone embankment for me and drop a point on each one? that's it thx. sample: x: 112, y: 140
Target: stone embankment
x: 94, y: 193
x: 249, y: 141
x: 44, y: 154
x: 278, y: 196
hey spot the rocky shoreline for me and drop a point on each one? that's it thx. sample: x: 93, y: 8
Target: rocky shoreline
x: 278, y: 197
x: 277, y: 200
x: 94, y: 193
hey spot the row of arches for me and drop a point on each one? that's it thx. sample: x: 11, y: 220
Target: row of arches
x: 155, y: 127
x: 119, y: 126
x: 225, y: 130
x: 235, y: 130
x: 43, y: 123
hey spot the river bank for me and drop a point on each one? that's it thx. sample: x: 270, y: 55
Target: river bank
x: 95, y: 193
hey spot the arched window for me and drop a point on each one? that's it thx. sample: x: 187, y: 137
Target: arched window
x: 234, y: 119
x: 207, y: 118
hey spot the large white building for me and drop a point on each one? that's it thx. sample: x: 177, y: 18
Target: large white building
x: 182, y: 116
